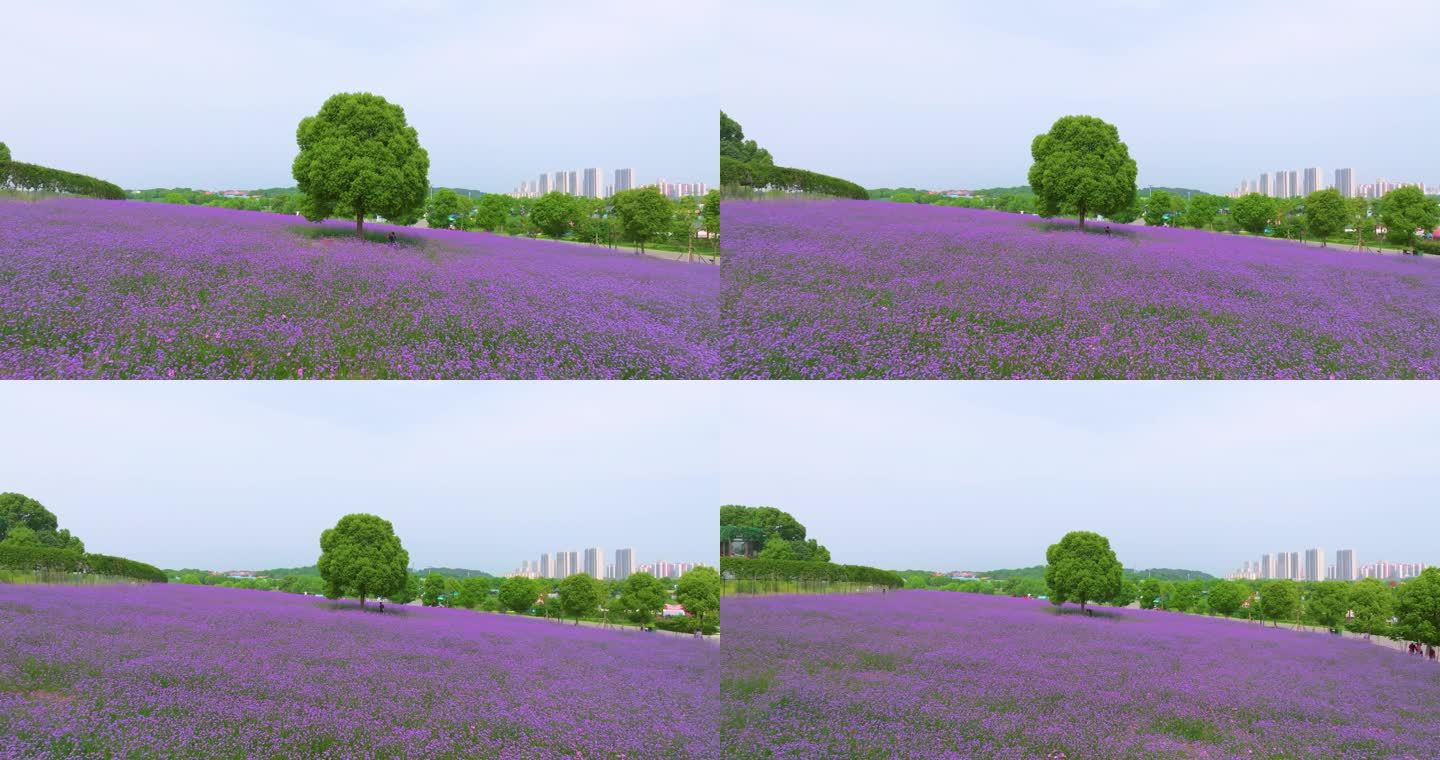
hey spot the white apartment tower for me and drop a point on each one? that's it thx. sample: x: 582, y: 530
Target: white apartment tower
x: 595, y: 562
x: 1314, y: 565
x: 544, y: 186
x: 572, y: 182
x: 557, y: 183
x: 624, y: 563
x: 1345, y: 183
x: 1314, y: 182
x: 593, y: 183
x: 545, y: 566
x: 1345, y: 564
x: 624, y: 180
x: 1265, y: 185
x: 1282, y: 185
x: 1294, y: 566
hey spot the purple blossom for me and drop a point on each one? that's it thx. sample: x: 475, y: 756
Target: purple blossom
x: 186, y: 671
x: 97, y: 289
x: 938, y: 674
x: 849, y: 289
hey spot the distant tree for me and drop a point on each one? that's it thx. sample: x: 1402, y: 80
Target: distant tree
x: 1360, y: 221
x: 473, y: 592
x: 22, y: 536
x: 358, y: 154
x: 517, y: 593
x: 1159, y: 204
x: 1225, y: 597
x: 1326, y: 214
x: 440, y: 207
x: 733, y: 145
x: 1328, y: 601
x: 711, y: 213
x: 644, y: 214
x: 1280, y: 600
x: 555, y: 213
x: 1129, y: 592
x: 432, y: 590
x: 362, y: 557
x: 579, y: 596
x: 492, y: 211
x: 4, y: 153
x: 1405, y: 210
x: 1186, y: 597
x: 1202, y: 211
x: 1417, y: 608
x: 18, y: 509
x: 642, y: 596
x: 776, y: 548
x: 810, y: 551
x: 1253, y: 212
x: 698, y: 591
x: 768, y: 519
x: 1373, y: 604
x: 408, y: 592
x: 1082, y: 568
x: 1081, y: 167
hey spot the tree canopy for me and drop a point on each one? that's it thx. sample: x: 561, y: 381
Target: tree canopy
x: 698, y: 591
x: 642, y: 596
x: 361, y: 556
x: 556, y: 213
x: 25, y: 521
x: 782, y: 536
x: 1280, y: 600
x: 1158, y: 206
x: 518, y: 594
x: 359, y: 157
x: 644, y: 214
x: 1226, y: 597
x: 579, y: 595
x: 1417, y: 608
x: 1252, y: 212
x: 4, y: 152
x: 1326, y: 213
x: 1082, y: 568
x: 1081, y: 167
x: 1405, y: 210
x: 1373, y: 604
x: 491, y: 211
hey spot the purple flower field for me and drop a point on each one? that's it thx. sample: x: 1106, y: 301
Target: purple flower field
x: 938, y: 674
x: 185, y: 671
x: 105, y: 289
x: 854, y: 289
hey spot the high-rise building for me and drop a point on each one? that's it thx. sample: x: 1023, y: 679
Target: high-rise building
x: 595, y: 562
x: 1314, y: 182
x: 624, y: 563
x: 609, y: 571
x: 1345, y: 183
x: 1314, y: 568
x: 1267, y: 566
x: 1292, y: 178
x: 1282, y: 185
x: 557, y: 182
x: 1265, y: 188
x: 572, y: 182
x: 544, y: 186
x: 593, y: 181
x: 1345, y: 565
x: 1294, y: 566
x: 545, y: 566
x: 624, y: 180
x: 1282, y: 565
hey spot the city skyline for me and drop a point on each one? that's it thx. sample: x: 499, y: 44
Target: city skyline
x: 920, y: 110
x: 172, y: 94
x: 1314, y: 565
x: 590, y: 183
x: 1293, y: 183
x: 597, y: 564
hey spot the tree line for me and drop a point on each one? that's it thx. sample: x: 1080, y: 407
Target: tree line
x: 17, y: 175
x: 745, y: 164
x: 31, y: 540
x: 781, y: 551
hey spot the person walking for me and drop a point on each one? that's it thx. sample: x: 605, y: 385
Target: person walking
x: 392, y: 238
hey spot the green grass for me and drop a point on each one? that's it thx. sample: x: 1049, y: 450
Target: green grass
x: 760, y: 587
x: 319, y: 232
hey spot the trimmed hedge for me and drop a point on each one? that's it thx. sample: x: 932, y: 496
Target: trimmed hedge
x: 22, y: 176
x: 686, y: 625
x: 735, y: 172
x: 64, y: 560
x: 1428, y: 246
x: 799, y: 570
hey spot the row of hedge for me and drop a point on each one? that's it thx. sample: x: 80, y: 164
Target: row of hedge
x: 66, y: 561
x: 736, y: 172
x: 801, y: 570
x: 687, y: 625
x: 16, y: 175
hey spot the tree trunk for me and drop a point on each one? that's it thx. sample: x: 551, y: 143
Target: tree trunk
x: 360, y: 233
x: 362, y: 601
x: 1082, y: 217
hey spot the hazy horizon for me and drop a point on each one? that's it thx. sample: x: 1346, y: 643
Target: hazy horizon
x: 479, y: 475
x: 939, y: 95
x: 981, y: 476
x: 174, y: 94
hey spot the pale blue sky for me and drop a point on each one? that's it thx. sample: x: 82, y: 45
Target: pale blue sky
x: 1199, y: 475
x: 208, y: 95
x: 944, y: 94
x: 246, y: 475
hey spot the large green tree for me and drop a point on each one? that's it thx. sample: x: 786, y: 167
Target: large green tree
x: 1328, y: 601
x: 1151, y: 592
x: 698, y: 591
x: 768, y: 519
x: 21, y: 511
x: 1280, y: 600
x: 644, y: 214
x: 555, y: 213
x: 441, y: 206
x: 1081, y: 167
x: 579, y: 596
x: 358, y: 156
x: 408, y: 592
x: 1158, y: 207
x: 1202, y: 210
x: 711, y: 213
x: 432, y: 590
x: 733, y: 144
x: 642, y: 596
x: 4, y: 153
x: 492, y: 210
x: 518, y: 594
x: 1417, y: 608
x: 1405, y: 210
x: 473, y: 592
x: 361, y: 556
x: 1326, y: 214
x: 1372, y: 603
x: 1252, y: 212
x: 1225, y: 597
x: 1082, y: 568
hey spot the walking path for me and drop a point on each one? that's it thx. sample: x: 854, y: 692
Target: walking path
x: 714, y: 639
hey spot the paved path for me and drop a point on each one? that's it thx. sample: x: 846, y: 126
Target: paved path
x: 715, y: 639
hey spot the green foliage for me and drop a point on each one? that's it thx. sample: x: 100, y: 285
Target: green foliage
x: 24, y: 520
x: 102, y: 564
x: 16, y: 175
x: 776, y: 548
x: 518, y: 594
x: 642, y: 596
x: 432, y: 589
x: 1082, y: 167
x: 710, y: 213
x: 1252, y: 212
x: 746, y: 164
x: 1152, y: 592
x: 644, y: 214
x: 1373, y: 604
x: 440, y: 207
x: 1226, y: 597
x: 1328, y: 600
x: 38, y: 558
x: 473, y: 592
x: 1280, y: 600
x: 1326, y: 213
x: 735, y: 147
x: 491, y: 211
x: 1082, y: 568
x: 4, y: 153
x: 687, y: 625
x: 407, y: 592
x: 1202, y: 210
x: 1186, y: 597
x: 556, y: 213
x: 772, y: 521
x: 1405, y: 210
x: 762, y: 569
x: 1128, y: 593
x: 579, y: 595
x: 361, y: 556
x: 1157, y: 207
x: 359, y: 154
x: 699, y: 592
x: 1417, y: 608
